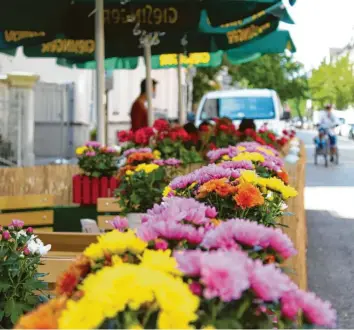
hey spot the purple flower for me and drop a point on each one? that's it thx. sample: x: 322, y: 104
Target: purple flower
x: 189, y: 262
x: 178, y: 209
x: 134, y: 150
x: 161, y: 244
x: 170, y: 231
x: 215, y: 155
x: 317, y: 311
x: 120, y: 223
x: 182, y: 181
x: 196, y: 288
x: 172, y: 162
x: 159, y: 162
x: 6, y: 235
x: 270, y: 165
x: 17, y: 224
x: 235, y: 232
x: 26, y: 251
x: 111, y: 150
x: 243, y: 164
x: 91, y: 154
x: 224, y: 275
x: 93, y: 144
x: 268, y: 282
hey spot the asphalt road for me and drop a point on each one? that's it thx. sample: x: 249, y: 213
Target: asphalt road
x: 329, y: 200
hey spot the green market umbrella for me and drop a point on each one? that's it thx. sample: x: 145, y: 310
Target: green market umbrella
x: 193, y: 42
x: 75, y: 19
x: 275, y: 42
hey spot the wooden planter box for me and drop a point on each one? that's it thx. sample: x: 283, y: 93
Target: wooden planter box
x: 87, y: 190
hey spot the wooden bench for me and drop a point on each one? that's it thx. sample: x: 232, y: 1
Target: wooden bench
x: 65, y: 248
x: 109, y: 208
x: 33, y: 210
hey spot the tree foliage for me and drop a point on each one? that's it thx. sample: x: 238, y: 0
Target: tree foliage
x: 333, y: 83
x: 274, y: 71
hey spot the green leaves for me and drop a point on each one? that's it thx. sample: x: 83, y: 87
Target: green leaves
x: 333, y: 83
x: 18, y: 280
x: 140, y: 191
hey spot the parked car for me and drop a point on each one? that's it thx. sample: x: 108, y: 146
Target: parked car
x: 261, y: 105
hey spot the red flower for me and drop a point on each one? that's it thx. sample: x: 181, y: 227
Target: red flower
x: 282, y: 141
x: 204, y: 128
x: 224, y: 128
x: 250, y: 132
x: 212, y: 146
x: 125, y: 136
x: 143, y: 135
x: 271, y: 136
x: 179, y: 134
x: 194, y: 137
x: 260, y: 140
x: 285, y: 132
x: 161, y: 125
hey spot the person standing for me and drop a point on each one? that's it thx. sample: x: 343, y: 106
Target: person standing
x: 139, y: 111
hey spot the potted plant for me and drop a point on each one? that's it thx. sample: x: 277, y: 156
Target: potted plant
x: 99, y: 166
x: 20, y: 252
x: 139, y: 189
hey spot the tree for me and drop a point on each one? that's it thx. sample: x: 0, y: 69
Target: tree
x: 274, y: 71
x: 203, y: 82
x: 333, y: 83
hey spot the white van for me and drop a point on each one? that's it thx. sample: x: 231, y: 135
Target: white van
x: 261, y: 105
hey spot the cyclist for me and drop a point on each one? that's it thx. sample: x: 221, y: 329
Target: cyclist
x: 328, y: 122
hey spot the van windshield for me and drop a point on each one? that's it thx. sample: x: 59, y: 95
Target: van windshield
x: 239, y: 107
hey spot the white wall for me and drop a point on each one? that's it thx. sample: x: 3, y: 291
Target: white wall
x: 127, y: 88
x: 125, y: 91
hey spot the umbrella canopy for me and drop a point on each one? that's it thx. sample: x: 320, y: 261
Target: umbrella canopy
x: 275, y: 42
x: 75, y: 18
x: 193, y: 42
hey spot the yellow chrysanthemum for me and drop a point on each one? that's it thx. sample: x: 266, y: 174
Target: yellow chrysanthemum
x: 193, y: 184
x: 266, y: 151
x: 241, y: 148
x: 251, y: 156
x: 278, y: 185
x: 80, y: 150
x: 225, y: 157
x: 157, y: 154
x: 249, y: 176
x: 113, y: 289
x: 160, y: 260
x: 115, y: 242
x: 166, y: 191
x: 147, y: 168
x: 129, y: 172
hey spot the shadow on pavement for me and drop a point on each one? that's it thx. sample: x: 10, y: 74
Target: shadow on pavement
x: 331, y: 262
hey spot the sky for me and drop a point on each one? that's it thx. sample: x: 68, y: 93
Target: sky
x: 320, y: 25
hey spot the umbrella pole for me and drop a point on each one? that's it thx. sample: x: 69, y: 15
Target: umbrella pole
x: 147, y: 55
x: 181, y: 109
x: 100, y: 74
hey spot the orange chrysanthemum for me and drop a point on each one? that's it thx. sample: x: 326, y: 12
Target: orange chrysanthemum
x: 68, y: 281
x: 283, y: 175
x: 221, y: 186
x: 44, y: 317
x: 140, y: 157
x: 248, y: 196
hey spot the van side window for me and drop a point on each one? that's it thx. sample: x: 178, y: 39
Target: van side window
x: 210, y: 109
